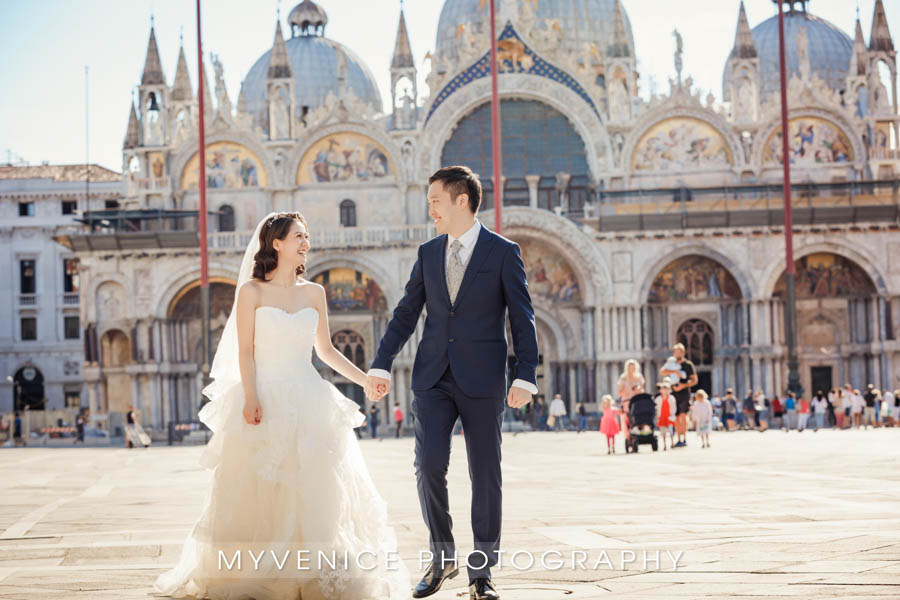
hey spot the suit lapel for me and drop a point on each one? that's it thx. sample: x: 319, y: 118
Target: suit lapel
x: 482, y: 250
x: 441, y: 256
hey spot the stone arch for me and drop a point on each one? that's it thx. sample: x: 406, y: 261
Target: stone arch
x: 115, y: 348
x: 586, y: 122
x: 562, y: 336
x: 326, y: 261
x: 667, y: 113
x: 675, y: 252
x: 840, y: 248
x: 564, y: 236
x: 293, y: 160
x: 222, y: 297
x: 174, y: 285
x: 189, y: 148
x: 30, y: 390
x: 769, y: 130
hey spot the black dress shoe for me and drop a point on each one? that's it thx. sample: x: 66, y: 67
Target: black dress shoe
x: 483, y: 588
x: 433, y: 578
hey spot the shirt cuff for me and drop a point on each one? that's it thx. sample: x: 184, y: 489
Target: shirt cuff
x: 380, y: 373
x: 521, y: 383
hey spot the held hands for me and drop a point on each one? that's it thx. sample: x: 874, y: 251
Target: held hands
x: 376, y: 388
x: 252, y: 411
x: 518, y: 397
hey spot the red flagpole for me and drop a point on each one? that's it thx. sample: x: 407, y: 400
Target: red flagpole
x: 495, y: 125
x: 790, y: 304
x: 201, y: 183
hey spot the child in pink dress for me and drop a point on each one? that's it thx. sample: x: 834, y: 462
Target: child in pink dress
x: 609, y: 424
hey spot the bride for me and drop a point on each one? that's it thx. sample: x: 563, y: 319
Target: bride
x: 292, y: 512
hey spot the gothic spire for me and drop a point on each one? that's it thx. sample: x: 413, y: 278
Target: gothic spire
x: 153, y: 73
x: 403, y: 58
x: 744, y: 47
x: 133, y: 134
x: 279, y: 64
x: 858, y: 56
x: 880, y: 38
x: 207, y: 95
x: 181, y: 89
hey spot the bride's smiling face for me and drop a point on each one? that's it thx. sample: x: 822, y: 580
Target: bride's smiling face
x: 293, y: 249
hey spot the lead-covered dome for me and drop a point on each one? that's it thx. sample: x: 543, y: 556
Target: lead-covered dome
x: 829, y: 49
x: 581, y: 21
x: 314, y: 63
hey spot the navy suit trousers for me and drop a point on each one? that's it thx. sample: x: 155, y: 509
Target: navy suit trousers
x: 436, y: 410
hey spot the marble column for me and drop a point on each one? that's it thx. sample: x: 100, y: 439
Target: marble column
x: 549, y: 368
x: 748, y: 382
x: 614, y: 323
x: 155, y: 402
x: 166, y: 400
x: 136, y: 398
x: 573, y: 387
x: 533, y: 181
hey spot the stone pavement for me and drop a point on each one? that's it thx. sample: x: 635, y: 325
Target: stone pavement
x: 777, y: 515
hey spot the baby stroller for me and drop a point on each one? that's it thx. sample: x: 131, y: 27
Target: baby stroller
x: 642, y: 419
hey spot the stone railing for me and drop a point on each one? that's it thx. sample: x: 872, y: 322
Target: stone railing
x: 345, y: 237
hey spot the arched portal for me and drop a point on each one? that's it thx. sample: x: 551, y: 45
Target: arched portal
x: 541, y: 149
x: 837, y: 305
x: 698, y: 302
x: 28, y: 389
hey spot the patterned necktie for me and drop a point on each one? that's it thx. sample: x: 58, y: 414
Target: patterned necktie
x: 455, y: 271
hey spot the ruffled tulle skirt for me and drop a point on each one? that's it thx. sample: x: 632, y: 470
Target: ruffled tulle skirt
x: 292, y: 511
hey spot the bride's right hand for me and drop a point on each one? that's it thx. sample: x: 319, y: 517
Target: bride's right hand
x: 252, y: 412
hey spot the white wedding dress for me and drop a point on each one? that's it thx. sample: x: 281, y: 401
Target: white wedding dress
x: 297, y: 481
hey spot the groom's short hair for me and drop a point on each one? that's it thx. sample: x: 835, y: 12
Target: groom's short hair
x: 459, y: 179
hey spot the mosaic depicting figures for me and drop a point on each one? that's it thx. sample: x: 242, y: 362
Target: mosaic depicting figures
x: 228, y: 166
x: 678, y: 144
x: 549, y: 275
x: 693, y: 278
x: 826, y: 275
x: 350, y: 290
x: 812, y: 142
x: 344, y: 157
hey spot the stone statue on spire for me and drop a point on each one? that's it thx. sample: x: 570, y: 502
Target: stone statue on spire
x: 679, y: 51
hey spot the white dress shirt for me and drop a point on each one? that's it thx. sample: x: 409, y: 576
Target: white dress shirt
x: 467, y: 243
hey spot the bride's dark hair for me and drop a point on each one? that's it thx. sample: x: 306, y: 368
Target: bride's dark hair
x: 276, y: 227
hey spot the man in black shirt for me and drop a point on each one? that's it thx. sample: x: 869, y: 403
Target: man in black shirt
x: 869, y: 397
x: 687, y: 378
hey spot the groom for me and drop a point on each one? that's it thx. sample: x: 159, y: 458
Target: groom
x: 467, y: 278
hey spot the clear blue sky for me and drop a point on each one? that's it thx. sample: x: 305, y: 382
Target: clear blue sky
x: 46, y: 43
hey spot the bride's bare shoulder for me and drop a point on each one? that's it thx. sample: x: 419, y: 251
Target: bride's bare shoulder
x: 249, y: 292
x: 311, y: 290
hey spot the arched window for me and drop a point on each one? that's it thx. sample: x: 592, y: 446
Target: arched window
x: 697, y: 337
x: 348, y: 213
x: 351, y: 345
x: 226, y: 218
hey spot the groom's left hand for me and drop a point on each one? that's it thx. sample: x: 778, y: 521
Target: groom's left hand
x: 518, y: 397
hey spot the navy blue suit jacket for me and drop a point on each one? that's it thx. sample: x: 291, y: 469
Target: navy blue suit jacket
x: 470, y: 334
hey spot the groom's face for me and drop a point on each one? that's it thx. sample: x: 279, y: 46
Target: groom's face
x: 444, y: 211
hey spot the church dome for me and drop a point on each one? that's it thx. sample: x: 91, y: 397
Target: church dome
x: 582, y: 21
x: 829, y: 49
x: 314, y: 63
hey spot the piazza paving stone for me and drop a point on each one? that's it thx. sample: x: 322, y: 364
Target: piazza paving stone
x: 773, y: 515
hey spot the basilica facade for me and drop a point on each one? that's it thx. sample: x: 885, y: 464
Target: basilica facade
x: 642, y: 222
